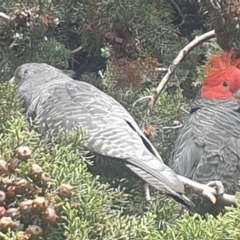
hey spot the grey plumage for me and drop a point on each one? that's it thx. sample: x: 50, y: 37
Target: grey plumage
x: 208, y: 147
x: 57, y: 101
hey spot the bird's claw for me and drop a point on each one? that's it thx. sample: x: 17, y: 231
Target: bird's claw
x: 218, y: 186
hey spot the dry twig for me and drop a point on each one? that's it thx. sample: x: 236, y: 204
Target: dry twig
x: 78, y: 49
x: 182, y: 54
x: 141, y: 99
x: 4, y: 16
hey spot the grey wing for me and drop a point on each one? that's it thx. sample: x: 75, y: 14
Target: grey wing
x: 186, y: 154
x: 112, y: 132
x: 210, y: 148
x: 221, y: 150
x: 119, y: 110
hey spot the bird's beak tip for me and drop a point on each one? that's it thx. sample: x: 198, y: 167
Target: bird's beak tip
x: 11, y: 81
x: 237, y: 94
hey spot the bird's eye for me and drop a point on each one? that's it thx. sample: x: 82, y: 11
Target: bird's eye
x: 26, y: 72
x: 225, y: 84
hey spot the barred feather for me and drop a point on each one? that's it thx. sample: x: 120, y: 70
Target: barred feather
x: 58, y: 101
x: 208, y: 147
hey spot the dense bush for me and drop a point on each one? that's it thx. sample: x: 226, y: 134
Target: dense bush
x: 128, y: 40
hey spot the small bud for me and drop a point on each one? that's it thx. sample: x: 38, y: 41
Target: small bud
x: 25, y: 207
x: 65, y: 190
x: 20, y: 226
x: 11, y: 192
x: 39, y: 204
x: 2, y: 211
x: 45, y: 179
x: 20, y: 185
x: 50, y: 216
x: 13, y: 213
x: 7, y: 223
x: 3, y: 167
x: 13, y: 164
x: 36, y: 172
x: 5, y: 182
x: 22, y: 235
x: 2, y: 197
x: 23, y: 153
x: 34, y: 231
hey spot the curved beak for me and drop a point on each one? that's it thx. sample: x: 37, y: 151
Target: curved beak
x: 12, y: 81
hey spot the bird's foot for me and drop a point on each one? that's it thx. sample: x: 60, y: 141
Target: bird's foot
x: 218, y: 186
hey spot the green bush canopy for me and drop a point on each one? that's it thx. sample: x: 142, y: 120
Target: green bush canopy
x: 116, y: 46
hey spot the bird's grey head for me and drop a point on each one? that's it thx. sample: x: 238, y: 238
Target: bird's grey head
x: 33, y: 74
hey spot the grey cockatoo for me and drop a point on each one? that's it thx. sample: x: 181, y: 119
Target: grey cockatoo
x: 207, y: 148
x: 56, y: 100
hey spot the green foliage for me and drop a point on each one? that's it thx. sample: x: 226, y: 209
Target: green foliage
x: 213, y: 48
x: 107, y: 204
x: 197, y: 228
x: 93, y: 79
x: 31, y: 46
x: 85, y: 23
x: 53, y: 53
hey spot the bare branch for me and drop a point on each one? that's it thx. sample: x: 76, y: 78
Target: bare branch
x: 78, y: 49
x: 184, y: 110
x: 141, y: 99
x: 208, y: 192
x: 182, y: 54
x: 161, y: 69
x: 5, y: 17
x: 172, y: 127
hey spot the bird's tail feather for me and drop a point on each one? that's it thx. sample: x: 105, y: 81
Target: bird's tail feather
x: 179, y: 197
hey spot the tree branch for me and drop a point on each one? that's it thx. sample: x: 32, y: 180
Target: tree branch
x: 4, y: 16
x: 182, y: 54
x: 78, y: 49
x: 141, y: 99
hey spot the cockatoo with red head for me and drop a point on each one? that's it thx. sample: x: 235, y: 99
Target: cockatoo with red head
x: 207, y: 148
